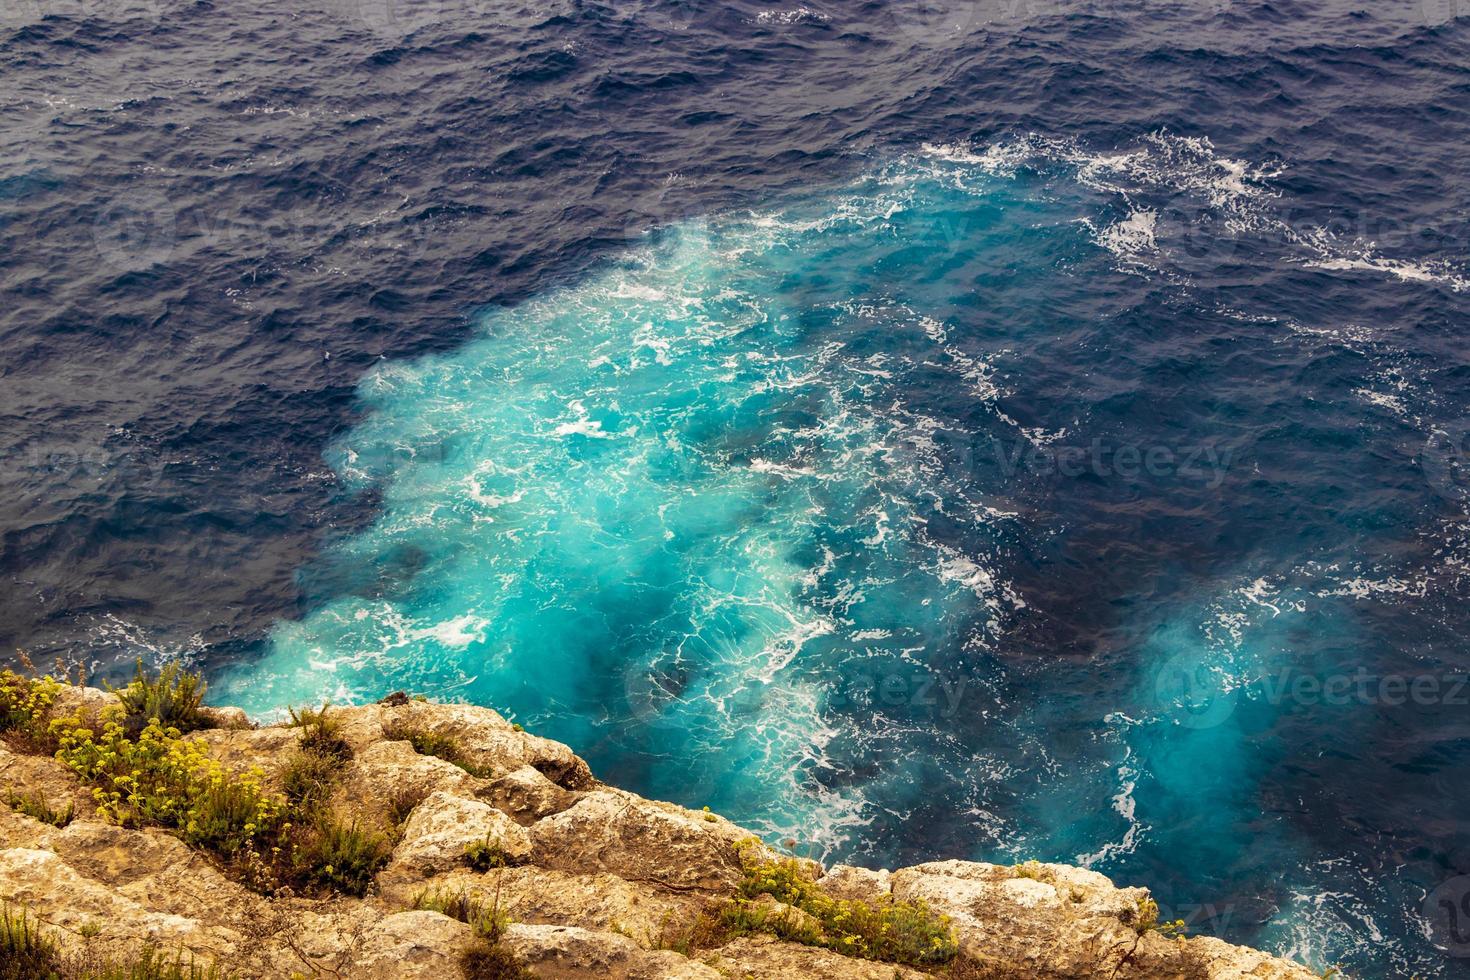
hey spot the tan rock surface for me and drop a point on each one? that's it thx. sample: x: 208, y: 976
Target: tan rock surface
x: 765, y: 958
x: 641, y: 840
x: 444, y: 825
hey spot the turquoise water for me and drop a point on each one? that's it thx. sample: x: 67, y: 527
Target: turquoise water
x: 657, y: 513
x: 775, y: 514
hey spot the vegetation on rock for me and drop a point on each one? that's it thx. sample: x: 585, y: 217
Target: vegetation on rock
x: 585, y: 854
x: 35, y: 806
x: 146, y: 773
x: 487, y: 958
x: 27, y: 953
x: 887, y: 930
x: 174, y: 698
x: 428, y: 742
x: 1147, y: 920
x: 779, y: 898
x: 161, y: 779
x: 340, y: 856
x: 25, y: 706
x: 483, y: 855
x: 321, y: 733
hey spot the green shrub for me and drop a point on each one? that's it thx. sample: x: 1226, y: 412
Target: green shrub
x: 25, y: 952
x: 34, y: 805
x: 887, y: 930
x: 174, y: 698
x: 1146, y: 919
x: 341, y: 857
x: 777, y: 898
x: 162, y: 779
x: 308, y: 777
x: 320, y: 733
x: 426, y: 742
x: 789, y: 923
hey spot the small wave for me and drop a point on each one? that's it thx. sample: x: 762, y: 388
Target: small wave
x: 795, y: 15
x: 1403, y: 270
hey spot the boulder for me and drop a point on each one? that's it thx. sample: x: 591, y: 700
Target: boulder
x: 527, y: 795
x: 384, y: 776
x: 640, y: 840
x: 766, y: 958
x: 444, y: 825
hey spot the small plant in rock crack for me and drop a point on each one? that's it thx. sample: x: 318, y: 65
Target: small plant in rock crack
x: 426, y: 741
x: 34, y: 805
x: 321, y: 733
x: 484, y: 855
x: 487, y: 957
x: 401, y: 804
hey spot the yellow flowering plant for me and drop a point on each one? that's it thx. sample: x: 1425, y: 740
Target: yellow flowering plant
x: 25, y: 705
x: 161, y: 778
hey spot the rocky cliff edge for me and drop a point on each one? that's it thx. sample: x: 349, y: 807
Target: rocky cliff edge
x: 575, y: 878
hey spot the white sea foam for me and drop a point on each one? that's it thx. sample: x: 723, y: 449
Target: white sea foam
x: 1237, y: 193
x: 794, y: 15
x: 1131, y: 237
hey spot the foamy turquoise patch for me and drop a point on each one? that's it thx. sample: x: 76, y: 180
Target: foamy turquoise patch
x: 658, y: 515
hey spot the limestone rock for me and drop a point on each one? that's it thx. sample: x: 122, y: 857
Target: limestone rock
x: 638, y: 839
x: 410, y: 944
x: 228, y: 717
x: 443, y: 825
x: 527, y: 795
x: 60, y: 896
x: 40, y: 778
x: 385, y: 774
x: 250, y: 748
x: 766, y: 958
x: 489, y: 742
x: 1055, y: 920
x: 603, y: 902
x: 567, y: 951
x: 1071, y: 924
x: 857, y: 884
x: 82, y: 702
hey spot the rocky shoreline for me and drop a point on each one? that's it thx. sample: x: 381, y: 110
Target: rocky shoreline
x: 583, y: 879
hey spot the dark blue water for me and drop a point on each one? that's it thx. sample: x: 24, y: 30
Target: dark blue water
x: 999, y: 429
